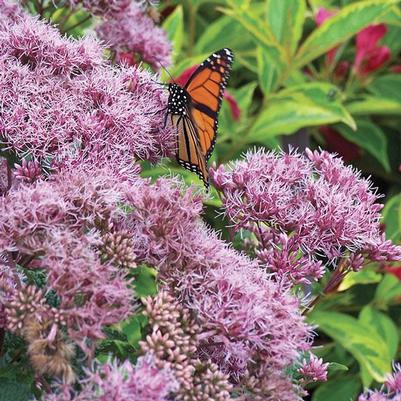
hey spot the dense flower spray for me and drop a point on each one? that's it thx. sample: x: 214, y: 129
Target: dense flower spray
x: 391, y: 391
x: 61, y: 100
x: 306, y: 212
x: 141, y: 38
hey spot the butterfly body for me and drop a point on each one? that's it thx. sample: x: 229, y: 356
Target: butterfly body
x: 194, y: 109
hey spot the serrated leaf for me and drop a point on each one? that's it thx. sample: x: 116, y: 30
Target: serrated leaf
x: 300, y: 106
x: 341, y: 27
x: 392, y: 218
x: 370, y: 137
x: 133, y: 327
x: 359, y: 339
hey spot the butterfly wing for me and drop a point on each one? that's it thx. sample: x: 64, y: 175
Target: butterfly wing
x: 189, y: 151
x: 206, y: 88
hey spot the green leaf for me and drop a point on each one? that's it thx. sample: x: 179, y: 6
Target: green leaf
x: 286, y: 19
x: 336, y: 367
x: 342, y: 389
x: 243, y: 96
x: 392, y: 218
x: 15, y: 390
x: 364, y: 276
x: 260, y: 31
x: 300, y: 106
x: 370, y: 137
x: 341, y: 27
x: 219, y: 33
x: 383, y: 326
x: 133, y: 327
x: 388, y: 289
x: 174, y: 26
x: 145, y: 281
x: 387, y: 86
x: 359, y: 339
x: 373, y: 105
x: 268, y: 71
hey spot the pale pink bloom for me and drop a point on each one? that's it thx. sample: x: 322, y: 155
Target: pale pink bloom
x: 135, y: 32
x: 313, y: 370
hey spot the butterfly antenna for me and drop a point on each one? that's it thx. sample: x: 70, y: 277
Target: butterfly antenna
x: 168, y: 73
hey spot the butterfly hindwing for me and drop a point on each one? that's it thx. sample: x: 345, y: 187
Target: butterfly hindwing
x: 188, y: 153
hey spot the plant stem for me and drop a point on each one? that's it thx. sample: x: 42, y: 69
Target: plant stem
x: 87, y: 18
x: 334, y: 282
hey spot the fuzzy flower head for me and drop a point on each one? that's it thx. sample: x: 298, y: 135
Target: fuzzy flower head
x: 135, y: 32
x: 313, y: 370
x: 325, y: 208
x: 62, y: 101
x: 103, y: 8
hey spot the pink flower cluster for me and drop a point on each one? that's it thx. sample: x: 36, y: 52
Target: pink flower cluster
x: 391, y: 391
x: 251, y: 325
x: 306, y: 211
x: 61, y: 100
x: 56, y: 226
x: 102, y: 7
x: 115, y: 381
x: 132, y: 32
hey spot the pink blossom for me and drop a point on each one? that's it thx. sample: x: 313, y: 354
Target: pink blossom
x: 104, y: 8
x: 244, y: 312
x: 369, y: 55
x: 28, y: 171
x: 122, y: 382
x: 133, y: 31
x: 58, y: 223
x: 323, y: 205
x: 313, y: 370
x: 393, y: 383
x: 61, y: 100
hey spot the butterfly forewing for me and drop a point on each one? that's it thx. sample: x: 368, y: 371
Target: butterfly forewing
x: 194, y: 110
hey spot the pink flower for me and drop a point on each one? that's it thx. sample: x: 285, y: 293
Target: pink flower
x: 317, y: 201
x: 28, y: 171
x: 122, y: 382
x: 62, y: 101
x: 244, y: 313
x: 369, y: 55
x: 313, y: 370
x: 393, y: 383
x: 101, y: 7
x: 135, y: 32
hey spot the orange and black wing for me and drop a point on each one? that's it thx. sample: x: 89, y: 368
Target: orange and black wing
x: 189, y: 153
x: 206, y: 88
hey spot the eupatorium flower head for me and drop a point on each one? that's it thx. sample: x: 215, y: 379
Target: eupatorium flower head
x: 325, y: 207
x: 134, y: 31
x: 62, y: 101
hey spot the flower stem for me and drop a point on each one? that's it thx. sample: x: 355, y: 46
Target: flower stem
x: 335, y: 280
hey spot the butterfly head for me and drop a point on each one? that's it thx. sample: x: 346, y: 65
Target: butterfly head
x: 178, y: 100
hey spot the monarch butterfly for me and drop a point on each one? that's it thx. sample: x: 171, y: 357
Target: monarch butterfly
x: 193, y: 110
